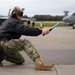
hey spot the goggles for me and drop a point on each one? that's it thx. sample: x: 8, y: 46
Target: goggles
x: 20, y: 13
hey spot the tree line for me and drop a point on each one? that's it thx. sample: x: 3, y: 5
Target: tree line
x: 46, y: 17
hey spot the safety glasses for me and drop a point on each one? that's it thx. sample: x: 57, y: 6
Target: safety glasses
x: 20, y: 13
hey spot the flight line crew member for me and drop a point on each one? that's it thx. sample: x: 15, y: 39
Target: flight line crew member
x: 10, y: 33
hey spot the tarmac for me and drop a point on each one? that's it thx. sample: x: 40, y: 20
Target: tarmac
x: 29, y: 70
x: 58, y: 47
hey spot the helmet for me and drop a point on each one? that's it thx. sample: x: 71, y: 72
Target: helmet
x: 16, y: 11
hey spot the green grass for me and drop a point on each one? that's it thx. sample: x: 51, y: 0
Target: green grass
x: 47, y: 23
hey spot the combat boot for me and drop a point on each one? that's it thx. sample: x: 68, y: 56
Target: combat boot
x: 40, y: 65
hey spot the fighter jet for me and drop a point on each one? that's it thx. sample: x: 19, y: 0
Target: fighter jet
x: 69, y: 20
x: 3, y: 18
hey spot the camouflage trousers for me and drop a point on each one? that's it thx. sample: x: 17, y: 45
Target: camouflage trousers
x: 11, y: 50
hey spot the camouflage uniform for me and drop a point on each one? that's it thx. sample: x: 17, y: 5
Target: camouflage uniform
x: 12, y: 48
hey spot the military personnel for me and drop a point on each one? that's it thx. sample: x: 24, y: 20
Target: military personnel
x: 10, y: 42
x: 33, y: 24
x: 28, y: 23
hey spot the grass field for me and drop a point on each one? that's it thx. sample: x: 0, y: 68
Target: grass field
x: 46, y: 23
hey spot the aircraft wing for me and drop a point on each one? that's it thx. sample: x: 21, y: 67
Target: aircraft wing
x: 25, y: 19
x: 4, y: 17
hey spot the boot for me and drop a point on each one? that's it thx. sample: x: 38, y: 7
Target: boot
x: 39, y: 65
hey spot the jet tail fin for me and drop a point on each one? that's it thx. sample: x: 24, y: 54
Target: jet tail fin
x: 66, y: 13
x: 9, y: 12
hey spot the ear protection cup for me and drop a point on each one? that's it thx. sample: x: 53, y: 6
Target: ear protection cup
x: 14, y: 14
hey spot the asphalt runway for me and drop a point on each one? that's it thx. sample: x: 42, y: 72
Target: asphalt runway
x: 58, y: 47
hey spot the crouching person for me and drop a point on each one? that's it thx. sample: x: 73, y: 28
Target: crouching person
x: 10, y: 32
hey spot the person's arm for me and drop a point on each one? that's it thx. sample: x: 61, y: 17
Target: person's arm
x: 29, y: 31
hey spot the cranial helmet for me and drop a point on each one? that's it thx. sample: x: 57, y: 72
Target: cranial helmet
x: 16, y: 11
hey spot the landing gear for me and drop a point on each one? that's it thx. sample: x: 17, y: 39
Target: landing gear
x: 74, y: 26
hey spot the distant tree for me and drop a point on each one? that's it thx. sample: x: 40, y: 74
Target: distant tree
x: 48, y: 18
x: 25, y: 16
x: 58, y: 18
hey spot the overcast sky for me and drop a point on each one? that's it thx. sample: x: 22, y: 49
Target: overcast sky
x: 34, y: 7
